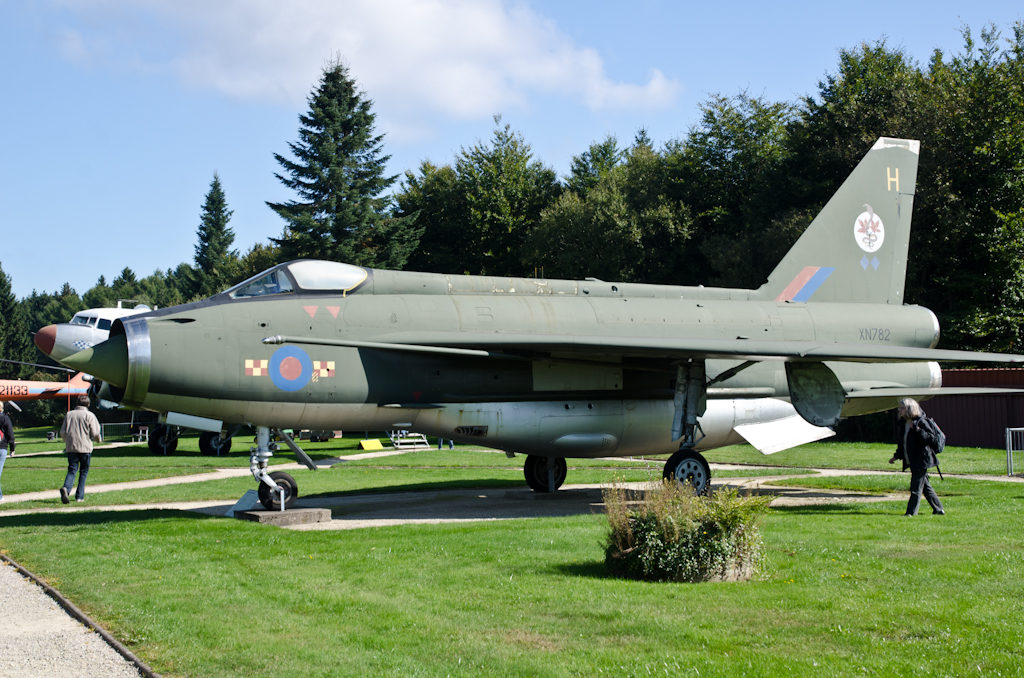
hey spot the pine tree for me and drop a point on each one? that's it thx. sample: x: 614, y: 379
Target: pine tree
x: 14, y: 339
x: 214, y: 258
x: 338, y: 172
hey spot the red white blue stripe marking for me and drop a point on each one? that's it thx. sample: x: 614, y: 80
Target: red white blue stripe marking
x: 805, y: 283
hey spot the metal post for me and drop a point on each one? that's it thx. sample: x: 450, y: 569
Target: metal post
x: 1014, y: 443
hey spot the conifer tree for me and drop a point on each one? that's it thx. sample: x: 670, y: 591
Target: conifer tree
x: 338, y: 173
x: 214, y: 258
x: 14, y: 339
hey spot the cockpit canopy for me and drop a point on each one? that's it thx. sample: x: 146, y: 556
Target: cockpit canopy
x: 302, y: 275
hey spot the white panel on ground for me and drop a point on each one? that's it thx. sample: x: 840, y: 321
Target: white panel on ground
x: 246, y: 503
x: 782, y: 434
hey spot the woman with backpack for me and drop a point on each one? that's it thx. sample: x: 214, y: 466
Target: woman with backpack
x: 917, y: 439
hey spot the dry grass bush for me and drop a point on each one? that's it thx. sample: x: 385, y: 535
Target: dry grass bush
x: 666, y: 533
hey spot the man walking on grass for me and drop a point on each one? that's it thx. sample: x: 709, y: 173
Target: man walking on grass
x: 79, y: 429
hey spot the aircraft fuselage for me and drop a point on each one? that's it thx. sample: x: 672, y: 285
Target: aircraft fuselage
x: 210, y: 359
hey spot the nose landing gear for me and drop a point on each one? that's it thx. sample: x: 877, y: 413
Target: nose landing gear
x: 277, y: 490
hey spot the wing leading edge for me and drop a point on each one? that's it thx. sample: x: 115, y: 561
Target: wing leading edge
x: 513, y: 345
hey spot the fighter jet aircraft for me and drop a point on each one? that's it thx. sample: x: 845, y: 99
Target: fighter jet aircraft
x: 556, y: 368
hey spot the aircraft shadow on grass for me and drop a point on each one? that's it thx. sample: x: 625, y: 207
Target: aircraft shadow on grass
x: 435, y: 486
x: 593, y: 570
x: 92, y: 518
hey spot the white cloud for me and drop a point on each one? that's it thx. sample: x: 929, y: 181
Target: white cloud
x: 460, y: 58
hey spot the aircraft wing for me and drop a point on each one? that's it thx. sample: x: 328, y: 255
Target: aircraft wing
x: 906, y: 392
x: 515, y: 344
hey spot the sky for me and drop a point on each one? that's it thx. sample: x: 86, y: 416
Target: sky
x: 115, y: 115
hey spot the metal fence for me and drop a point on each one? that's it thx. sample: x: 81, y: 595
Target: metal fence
x: 126, y: 431
x: 1014, y: 444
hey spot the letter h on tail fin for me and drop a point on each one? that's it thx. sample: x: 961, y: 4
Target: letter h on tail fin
x: 856, y: 249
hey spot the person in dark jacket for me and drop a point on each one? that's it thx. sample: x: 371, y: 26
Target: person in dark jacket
x: 6, y: 440
x: 916, y: 441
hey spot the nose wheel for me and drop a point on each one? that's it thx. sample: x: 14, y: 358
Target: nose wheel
x: 272, y: 485
x: 271, y: 499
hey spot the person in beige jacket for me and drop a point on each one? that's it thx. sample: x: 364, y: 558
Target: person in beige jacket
x: 79, y: 429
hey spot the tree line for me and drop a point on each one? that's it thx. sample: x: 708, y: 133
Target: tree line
x: 718, y: 206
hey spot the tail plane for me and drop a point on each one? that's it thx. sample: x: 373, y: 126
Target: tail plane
x: 856, y: 249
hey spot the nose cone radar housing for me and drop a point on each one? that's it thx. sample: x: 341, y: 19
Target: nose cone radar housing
x: 46, y: 338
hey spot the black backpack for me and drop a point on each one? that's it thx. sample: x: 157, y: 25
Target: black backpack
x: 940, y: 443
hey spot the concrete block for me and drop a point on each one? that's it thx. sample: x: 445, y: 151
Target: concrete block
x: 295, y: 516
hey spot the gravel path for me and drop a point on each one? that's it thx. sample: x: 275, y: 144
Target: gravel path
x: 39, y: 640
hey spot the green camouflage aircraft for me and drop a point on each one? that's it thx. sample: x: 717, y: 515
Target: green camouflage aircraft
x: 555, y: 368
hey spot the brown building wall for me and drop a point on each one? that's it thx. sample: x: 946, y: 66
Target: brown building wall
x: 981, y: 420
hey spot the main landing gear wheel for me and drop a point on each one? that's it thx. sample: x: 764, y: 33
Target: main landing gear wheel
x: 212, y: 445
x: 686, y: 466
x: 271, y: 499
x: 163, y: 440
x: 536, y: 471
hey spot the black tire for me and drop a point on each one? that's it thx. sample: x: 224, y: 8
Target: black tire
x: 212, y: 445
x: 536, y: 471
x: 271, y: 500
x: 162, y: 440
x: 687, y: 466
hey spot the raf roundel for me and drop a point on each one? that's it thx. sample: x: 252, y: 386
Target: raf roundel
x: 290, y: 368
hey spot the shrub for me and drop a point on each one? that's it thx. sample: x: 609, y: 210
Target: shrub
x: 666, y: 533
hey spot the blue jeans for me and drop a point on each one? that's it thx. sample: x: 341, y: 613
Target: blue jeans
x: 3, y: 458
x: 76, y: 460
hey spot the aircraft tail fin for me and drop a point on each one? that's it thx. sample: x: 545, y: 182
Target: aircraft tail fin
x: 856, y: 249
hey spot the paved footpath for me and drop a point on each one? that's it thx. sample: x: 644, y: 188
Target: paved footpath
x: 213, y: 474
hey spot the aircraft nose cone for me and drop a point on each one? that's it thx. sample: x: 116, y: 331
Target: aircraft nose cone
x: 107, y: 361
x: 45, y: 339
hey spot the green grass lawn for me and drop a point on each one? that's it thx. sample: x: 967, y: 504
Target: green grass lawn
x: 861, y: 456
x: 949, y: 486
x: 479, y: 457
x: 423, y: 470
x: 16, y: 481
x: 135, y: 462
x: 847, y: 590
x: 339, y: 480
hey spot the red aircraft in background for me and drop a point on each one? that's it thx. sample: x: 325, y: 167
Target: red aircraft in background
x: 20, y: 389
